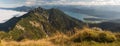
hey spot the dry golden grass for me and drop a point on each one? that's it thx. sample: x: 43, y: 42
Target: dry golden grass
x: 27, y: 43
x: 60, y: 39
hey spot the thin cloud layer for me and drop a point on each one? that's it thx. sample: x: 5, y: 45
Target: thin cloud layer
x: 72, y: 2
x: 14, y: 3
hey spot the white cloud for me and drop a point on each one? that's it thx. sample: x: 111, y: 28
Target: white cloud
x: 72, y: 2
x: 5, y: 15
x: 96, y: 3
x: 30, y: 2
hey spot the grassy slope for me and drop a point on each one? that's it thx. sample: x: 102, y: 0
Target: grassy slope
x: 60, y: 39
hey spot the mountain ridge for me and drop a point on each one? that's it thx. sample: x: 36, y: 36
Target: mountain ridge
x: 40, y: 22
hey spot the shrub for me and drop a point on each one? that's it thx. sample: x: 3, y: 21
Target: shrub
x: 3, y: 35
x: 106, y: 37
x: 117, y: 35
x: 93, y: 35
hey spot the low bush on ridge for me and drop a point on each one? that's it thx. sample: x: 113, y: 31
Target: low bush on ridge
x: 93, y: 35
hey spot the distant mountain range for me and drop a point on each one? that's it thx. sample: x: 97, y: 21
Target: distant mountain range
x: 95, y: 11
x: 111, y: 26
x: 22, y: 8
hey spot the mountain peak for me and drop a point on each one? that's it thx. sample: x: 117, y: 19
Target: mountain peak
x: 54, y: 9
x: 45, y: 22
x: 39, y: 9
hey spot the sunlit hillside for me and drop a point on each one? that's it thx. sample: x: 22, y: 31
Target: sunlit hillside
x: 82, y: 37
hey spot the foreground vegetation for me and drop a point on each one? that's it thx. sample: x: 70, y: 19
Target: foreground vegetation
x: 50, y: 43
x: 84, y: 37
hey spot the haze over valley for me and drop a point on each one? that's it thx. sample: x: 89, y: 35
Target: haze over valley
x: 106, y: 12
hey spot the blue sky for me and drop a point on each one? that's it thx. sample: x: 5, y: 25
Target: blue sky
x: 15, y: 3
